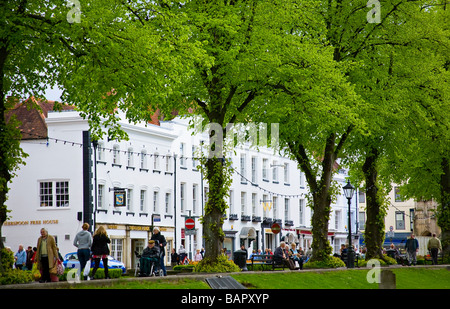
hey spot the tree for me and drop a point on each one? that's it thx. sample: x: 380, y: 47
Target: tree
x: 217, y: 59
x: 43, y: 44
x: 385, y: 49
x: 423, y: 166
x: 26, y: 67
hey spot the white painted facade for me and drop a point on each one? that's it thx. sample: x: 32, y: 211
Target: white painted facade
x: 159, y: 188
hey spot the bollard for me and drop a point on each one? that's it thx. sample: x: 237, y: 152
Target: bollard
x: 387, y: 280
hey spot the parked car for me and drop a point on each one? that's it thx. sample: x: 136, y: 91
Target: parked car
x: 71, y: 261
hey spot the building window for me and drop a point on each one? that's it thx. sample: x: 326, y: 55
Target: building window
x: 361, y: 196
x: 301, y: 210
x: 286, y: 173
x: 143, y: 159
x: 167, y: 203
x: 49, y: 197
x: 156, y: 162
x: 265, y: 175
x: 398, y: 197
x: 101, y: 196
x: 243, y: 169
x: 194, y: 198
x: 275, y: 171
x: 230, y: 201
x: 182, y: 187
x: 286, y: 209
x: 155, y: 201
x: 116, y: 154
x: 182, y: 158
x: 337, y: 220
x: 143, y: 200
x: 117, y: 248
x: 101, y: 152
x: 266, y: 205
x: 243, y: 197
x: 130, y: 160
x: 399, y: 220
x: 275, y: 207
x: 362, y: 220
x: 129, y: 199
x: 194, y: 158
x: 254, y: 168
x: 168, y: 160
x: 254, y: 203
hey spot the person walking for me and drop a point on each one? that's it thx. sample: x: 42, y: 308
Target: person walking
x: 434, y: 246
x: 21, y: 258
x: 30, y: 254
x: 46, y: 256
x: 100, y: 250
x: 83, y: 241
x: 412, y: 247
x: 161, y: 241
x: 174, y: 258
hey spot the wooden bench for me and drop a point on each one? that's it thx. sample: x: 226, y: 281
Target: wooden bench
x: 439, y: 257
x: 265, y: 260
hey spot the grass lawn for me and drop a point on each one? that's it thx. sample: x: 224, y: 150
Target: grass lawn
x: 151, y: 284
x: 406, y: 278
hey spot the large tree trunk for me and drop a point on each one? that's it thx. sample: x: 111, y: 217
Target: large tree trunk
x: 374, y: 231
x: 320, y: 246
x: 5, y: 175
x: 215, y: 207
x: 322, y: 203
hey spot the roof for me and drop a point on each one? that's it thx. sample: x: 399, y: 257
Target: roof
x: 32, y: 113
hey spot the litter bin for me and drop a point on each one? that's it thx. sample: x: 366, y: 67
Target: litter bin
x: 240, y: 259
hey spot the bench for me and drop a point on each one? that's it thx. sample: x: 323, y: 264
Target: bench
x: 439, y: 257
x: 265, y: 260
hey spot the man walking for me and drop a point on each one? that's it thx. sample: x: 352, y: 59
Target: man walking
x: 434, y: 245
x: 412, y: 247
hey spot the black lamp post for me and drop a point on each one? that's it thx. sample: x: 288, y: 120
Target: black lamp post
x: 348, y: 192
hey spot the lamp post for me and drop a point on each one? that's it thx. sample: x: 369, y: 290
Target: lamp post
x: 348, y: 192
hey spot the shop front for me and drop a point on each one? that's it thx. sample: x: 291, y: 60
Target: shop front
x: 129, y: 240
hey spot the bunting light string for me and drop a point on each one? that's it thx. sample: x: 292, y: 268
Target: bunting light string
x: 271, y: 193
x: 66, y: 142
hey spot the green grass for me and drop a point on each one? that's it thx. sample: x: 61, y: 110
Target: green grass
x: 406, y: 278
x: 160, y: 284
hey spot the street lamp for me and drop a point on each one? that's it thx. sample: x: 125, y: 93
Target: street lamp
x: 348, y: 192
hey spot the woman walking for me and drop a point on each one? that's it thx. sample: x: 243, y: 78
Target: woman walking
x: 100, y: 250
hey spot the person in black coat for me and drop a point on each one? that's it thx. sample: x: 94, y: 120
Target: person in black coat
x: 100, y: 250
x: 161, y: 243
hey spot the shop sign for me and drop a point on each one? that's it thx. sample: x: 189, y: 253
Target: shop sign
x: 32, y: 222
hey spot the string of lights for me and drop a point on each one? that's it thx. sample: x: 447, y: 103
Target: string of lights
x: 71, y: 143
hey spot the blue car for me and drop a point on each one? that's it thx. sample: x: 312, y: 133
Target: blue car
x: 71, y: 261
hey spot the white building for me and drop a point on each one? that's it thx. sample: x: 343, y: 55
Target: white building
x: 157, y: 169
